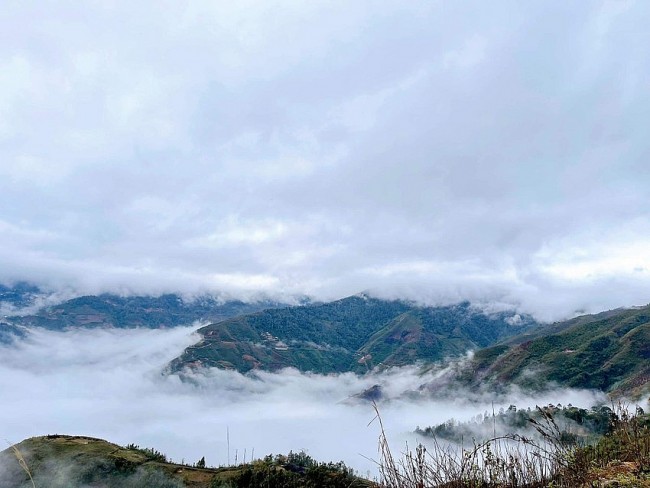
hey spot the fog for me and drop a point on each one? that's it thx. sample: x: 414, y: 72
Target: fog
x: 109, y: 384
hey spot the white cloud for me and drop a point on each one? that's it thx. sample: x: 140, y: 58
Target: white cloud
x: 310, y: 148
x: 470, y: 54
x: 235, y: 233
x: 605, y: 260
x: 107, y: 383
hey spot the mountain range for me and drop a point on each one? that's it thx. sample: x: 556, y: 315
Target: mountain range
x: 609, y: 351
x: 108, y: 310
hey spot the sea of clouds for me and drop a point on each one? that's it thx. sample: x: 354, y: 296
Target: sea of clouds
x: 112, y: 384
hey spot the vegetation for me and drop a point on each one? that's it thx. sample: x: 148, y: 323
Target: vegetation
x: 296, y: 470
x: 58, y: 461
x: 608, y: 352
x: 620, y: 458
x: 556, y: 446
x: 135, y: 311
x: 150, y: 453
x: 575, y: 424
x: 353, y: 334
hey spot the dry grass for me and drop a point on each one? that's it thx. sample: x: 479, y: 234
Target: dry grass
x: 621, y: 457
x: 23, y: 464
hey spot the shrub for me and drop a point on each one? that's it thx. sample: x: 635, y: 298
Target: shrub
x: 621, y: 457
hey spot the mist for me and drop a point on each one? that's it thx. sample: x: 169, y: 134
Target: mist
x: 111, y: 384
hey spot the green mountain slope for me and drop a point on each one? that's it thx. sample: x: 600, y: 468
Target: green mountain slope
x: 608, y: 351
x: 433, y: 333
x: 352, y: 334
x: 135, y: 311
x: 58, y: 461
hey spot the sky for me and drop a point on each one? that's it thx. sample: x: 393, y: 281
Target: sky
x: 108, y: 384
x: 437, y: 151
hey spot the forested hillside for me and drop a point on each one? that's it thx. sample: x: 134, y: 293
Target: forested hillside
x: 135, y: 311
x: 608, y: 352
x: 353, y: 334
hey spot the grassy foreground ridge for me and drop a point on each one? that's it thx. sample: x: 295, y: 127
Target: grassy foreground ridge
x: 61, y: 461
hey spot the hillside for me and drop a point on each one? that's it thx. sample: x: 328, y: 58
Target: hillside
x: 353, y: 334
x: 608, y: 351
x: 134, y: 311
x: 58, y: 461
x: 18, y: 296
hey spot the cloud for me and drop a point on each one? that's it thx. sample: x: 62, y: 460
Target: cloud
x: 322, y: 149
x: 108, y: 384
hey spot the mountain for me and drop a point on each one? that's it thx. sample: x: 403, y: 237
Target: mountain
x: 60, y: 461
x: 18, y: 296
x: 353, y: 334
x: 135, y: 311
x: 609, y: 351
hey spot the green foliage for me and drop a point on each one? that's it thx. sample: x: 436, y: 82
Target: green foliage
x: 58, y: 461
x: 575, y: 424
x: 150, y: 453
x: 295, y: 470
x: 353, y: 334
x: 609, y: 352
x: 135, y: 311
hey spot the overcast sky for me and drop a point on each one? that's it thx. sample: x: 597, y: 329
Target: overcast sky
x: 495, y: 151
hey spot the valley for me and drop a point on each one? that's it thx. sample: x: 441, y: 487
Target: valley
x: 268, y: 377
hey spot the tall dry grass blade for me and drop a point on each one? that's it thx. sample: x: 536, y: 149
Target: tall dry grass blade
x: 23, y: 464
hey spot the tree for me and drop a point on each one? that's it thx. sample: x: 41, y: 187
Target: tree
x: 201, y: 463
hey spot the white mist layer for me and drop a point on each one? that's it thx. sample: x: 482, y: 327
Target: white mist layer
x: 108, y: 384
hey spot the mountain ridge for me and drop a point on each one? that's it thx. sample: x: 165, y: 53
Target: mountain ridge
x: 356, y: 333
x: 609, y: 351
x: 69, y: 461
x: 115, y: 311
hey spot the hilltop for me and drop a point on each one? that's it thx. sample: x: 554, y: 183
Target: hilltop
x: 61, y: 461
